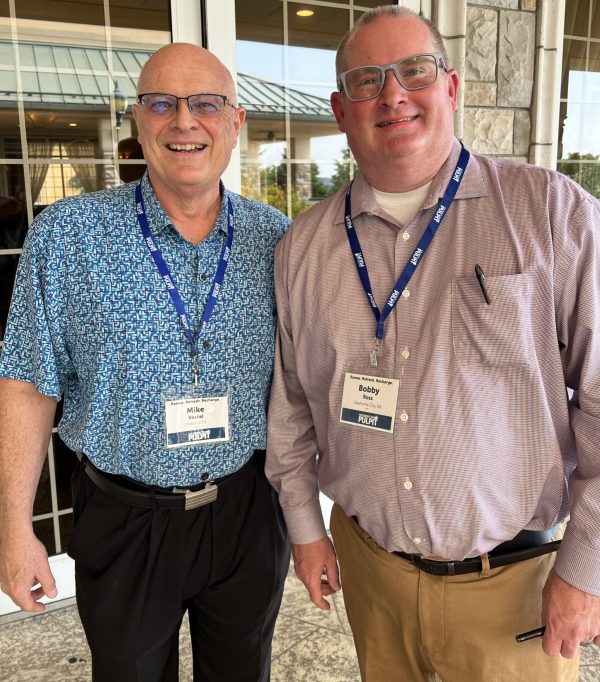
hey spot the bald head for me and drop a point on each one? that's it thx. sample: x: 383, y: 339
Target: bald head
x: 185, y: 63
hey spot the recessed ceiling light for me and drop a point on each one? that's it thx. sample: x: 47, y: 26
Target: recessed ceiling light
x: 72, y: 125
x: 305, y: 12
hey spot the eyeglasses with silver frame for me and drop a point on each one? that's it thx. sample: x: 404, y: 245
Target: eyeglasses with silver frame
x: 162, y: 104
x: 413, y: 73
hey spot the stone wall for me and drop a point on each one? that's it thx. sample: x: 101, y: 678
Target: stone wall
x: 498, y: 78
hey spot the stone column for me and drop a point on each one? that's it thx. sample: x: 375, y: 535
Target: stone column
x: 499, y: 74
x: 451, y: 20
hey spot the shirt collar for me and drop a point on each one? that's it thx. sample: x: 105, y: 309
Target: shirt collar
x: 158, y: 219
x: 472, y: 185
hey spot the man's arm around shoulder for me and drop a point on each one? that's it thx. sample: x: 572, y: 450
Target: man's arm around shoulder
x: 26, y: 419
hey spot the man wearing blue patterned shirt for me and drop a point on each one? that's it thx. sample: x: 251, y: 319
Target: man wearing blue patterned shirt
x: 150, y: 310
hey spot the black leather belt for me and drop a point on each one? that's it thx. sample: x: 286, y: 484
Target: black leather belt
x: 137, y: 494
x: 507, y: 553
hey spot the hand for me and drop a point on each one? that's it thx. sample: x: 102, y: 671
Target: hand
x: 24, y: 564
x: 571, y: 617
x: 315, y: 564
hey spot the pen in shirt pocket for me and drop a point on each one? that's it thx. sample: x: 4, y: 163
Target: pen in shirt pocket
x: 481, y: 279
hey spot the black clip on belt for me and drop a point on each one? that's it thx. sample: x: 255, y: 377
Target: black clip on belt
x: 474, y: 565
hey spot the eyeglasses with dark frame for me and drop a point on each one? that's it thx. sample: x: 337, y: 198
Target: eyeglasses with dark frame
x: 162, y: 104
x: 413, y: 73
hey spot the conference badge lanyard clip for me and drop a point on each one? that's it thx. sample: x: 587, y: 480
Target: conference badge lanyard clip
x: 369, y: 398
x: 196, y: 413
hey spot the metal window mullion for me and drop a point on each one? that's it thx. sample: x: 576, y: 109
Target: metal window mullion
x: 286, y: 110
x: 21, y: 110
x: 54, y: 497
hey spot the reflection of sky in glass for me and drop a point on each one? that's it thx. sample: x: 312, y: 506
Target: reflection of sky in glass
x: 581, y: 133
x: 309, y: 70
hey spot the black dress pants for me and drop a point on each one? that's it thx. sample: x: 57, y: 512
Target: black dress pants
x: 138, y: 570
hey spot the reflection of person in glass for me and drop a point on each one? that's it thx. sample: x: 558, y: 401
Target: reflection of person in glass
x: 434, y: 388
x: 127, y: 149
x: 149, y: 309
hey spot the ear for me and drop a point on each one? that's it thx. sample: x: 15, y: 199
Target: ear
x: 452, y: 82
x: 137, y: 115
x: 337, y: 104
x: 238, y: 121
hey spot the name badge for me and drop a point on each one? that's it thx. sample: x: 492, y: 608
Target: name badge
x: 369, y: 401
x: 197, y: 421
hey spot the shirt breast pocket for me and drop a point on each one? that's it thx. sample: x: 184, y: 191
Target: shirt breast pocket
x: 498, y: 334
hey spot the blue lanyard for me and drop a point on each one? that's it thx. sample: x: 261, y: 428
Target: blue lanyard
x: 167, y: 278
x: 418, y: 253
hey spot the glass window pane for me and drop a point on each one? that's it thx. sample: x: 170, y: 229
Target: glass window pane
x: 69, y: 84
x: 574, y: 61
x: 577, y: 18
x: 13, y: 213
x: 89, y: 85
x: 64, y: 463
x: 62, y: 58
x: 592, y: 86
x: 51, y: 182
x: 131, y: 157
x: 90, y: 12
x: 71, y: 136
x: 595, y: 30
x: 49, y: 84
x: 43, y: 55
x: 154, y: 16
x: 43, y: 498
x: 26, y: 55
x: 332, y: 158
x: 8, y: 270
x: 65, y: 522
x: 285, y: 80
x: 97, y: 59
x: 323, y: 30
x: 44, y: 531
x: 584, y: 169
x: 264, y: 26
x: 10, y: 141
x: 7, y: 54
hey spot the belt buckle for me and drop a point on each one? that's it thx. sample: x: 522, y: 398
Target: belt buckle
x: 198, y: 498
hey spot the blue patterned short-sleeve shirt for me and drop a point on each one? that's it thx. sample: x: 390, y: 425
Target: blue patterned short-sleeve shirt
x: 91, y: 321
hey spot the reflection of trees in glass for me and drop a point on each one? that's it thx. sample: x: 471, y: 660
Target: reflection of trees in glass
x: 319, y: 188
x: 269, y: 184
x: 586, y: 174
x: 344, y: 170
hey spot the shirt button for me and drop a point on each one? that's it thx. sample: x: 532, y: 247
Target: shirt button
x: 204, y: 477
x: 417, y: 541
x: 408, y: 484
x: 404, y: 417
x: 203, y: 276
x: 405, y: 236
x: 406, y: 293
x: 405, y: 354
x: 206, y: 344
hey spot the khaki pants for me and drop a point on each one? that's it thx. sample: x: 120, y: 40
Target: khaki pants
x: 409, y: 625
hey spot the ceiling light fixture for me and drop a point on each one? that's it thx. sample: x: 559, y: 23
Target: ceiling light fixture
x: 305, y: 12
